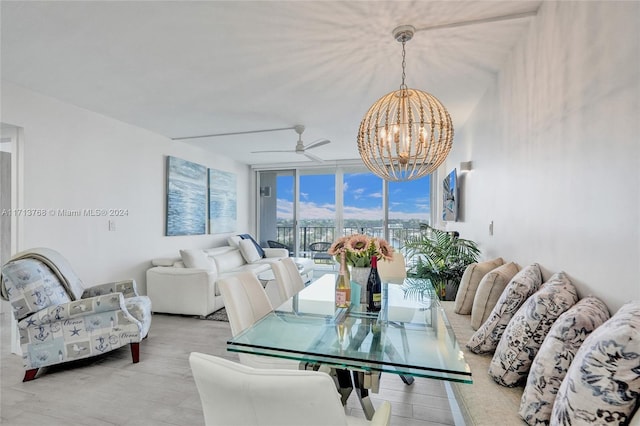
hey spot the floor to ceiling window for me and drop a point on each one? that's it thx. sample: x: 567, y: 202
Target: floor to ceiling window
x: 317, y: 208
x: 409, y: 206
x: 362, y: 204
x: 301, y: 207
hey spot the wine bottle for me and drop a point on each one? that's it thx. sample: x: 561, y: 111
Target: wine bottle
x: 374, y: 287
x: 343, y: 285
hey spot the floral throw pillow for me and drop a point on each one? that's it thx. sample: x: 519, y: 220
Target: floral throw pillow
x: 528, y: 328
x: 522, y: 285
x: 602, y: 385
x: 558, y: 349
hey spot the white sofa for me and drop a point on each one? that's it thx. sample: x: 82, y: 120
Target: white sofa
x: 176, y: 289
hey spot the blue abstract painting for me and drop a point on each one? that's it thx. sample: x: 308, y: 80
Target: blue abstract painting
x: 186, y: 197
x: 222, y: 202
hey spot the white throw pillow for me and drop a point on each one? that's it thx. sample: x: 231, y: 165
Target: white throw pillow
x: 193, y: 258
x: 234, y: 241
x: 249, y: 251
x: 469, y: 284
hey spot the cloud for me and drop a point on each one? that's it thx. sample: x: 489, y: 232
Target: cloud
x: 357, y: 193
x: 376, y: 195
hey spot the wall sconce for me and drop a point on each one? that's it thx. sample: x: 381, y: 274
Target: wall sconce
x: 465, y: 166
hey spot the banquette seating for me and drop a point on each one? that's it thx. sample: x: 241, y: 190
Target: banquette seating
x: 540, y: 354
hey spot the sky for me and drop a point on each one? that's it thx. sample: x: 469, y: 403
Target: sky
x: 362, y: 197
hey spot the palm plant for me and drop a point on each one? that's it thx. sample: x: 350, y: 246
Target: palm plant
x: 439, y: 256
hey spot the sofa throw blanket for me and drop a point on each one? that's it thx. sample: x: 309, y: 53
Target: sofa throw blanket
x: 58, y: 265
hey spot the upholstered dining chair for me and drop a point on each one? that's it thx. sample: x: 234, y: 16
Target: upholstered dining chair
x: 60, y: 320
x: 246, y: 302
x: 234, y: 394
x: 287, y: 278
x: 394, y: 271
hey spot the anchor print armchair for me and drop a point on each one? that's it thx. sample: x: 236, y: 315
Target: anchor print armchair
x: 59, y: 320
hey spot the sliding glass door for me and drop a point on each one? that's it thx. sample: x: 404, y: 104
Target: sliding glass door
x: 317, y: 208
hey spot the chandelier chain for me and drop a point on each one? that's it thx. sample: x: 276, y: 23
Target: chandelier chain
x: 404, y: 64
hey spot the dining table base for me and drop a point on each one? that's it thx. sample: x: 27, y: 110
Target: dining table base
x: 362, y: 382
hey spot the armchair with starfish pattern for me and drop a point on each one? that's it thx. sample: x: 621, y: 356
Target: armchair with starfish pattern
x: 60, y: 320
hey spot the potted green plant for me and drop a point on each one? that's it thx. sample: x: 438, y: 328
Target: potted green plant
x: 440, y: 256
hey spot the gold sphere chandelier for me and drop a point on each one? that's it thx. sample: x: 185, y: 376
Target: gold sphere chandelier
x: 406, y: 134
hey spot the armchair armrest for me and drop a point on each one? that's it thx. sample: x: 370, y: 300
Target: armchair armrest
x: 128, y: 288
x: 275, y: 252
x: 77, y: 308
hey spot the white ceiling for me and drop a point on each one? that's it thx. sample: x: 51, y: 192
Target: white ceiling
x: 186, y: 68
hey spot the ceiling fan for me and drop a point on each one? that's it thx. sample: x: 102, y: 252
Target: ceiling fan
x: 300, y: 147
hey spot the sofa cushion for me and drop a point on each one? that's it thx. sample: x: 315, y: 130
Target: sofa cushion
x: 522, y: 285
x: 230, y: 260
x: 489, y: 290
x: 528, y: 328
x: 469, y: 284
x: 249, y: 251
x: 255, y: 243
x: 194, y: 258
x: 602, y: 384
x: 558, y: 349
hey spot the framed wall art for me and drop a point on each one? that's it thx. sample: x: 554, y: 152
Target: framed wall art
x: 186, y: 197
x: 450, y: 197
x: 222, y: 202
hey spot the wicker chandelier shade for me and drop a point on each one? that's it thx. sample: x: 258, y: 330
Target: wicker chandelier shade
x: 406, y: 134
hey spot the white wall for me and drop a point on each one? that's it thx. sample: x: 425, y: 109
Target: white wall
x: 77, y: 159
x: 555, y: 151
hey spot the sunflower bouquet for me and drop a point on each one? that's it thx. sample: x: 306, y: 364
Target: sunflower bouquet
x: 359, y: 248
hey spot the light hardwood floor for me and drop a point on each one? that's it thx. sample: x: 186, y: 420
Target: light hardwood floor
x: 160, y: 390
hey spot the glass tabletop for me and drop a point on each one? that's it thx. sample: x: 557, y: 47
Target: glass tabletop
x: 409, y: 336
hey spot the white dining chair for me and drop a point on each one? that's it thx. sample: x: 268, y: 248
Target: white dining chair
x: 246, y: 302
x: 287, y: 277
x: 234, y: 394
x: 394, y: 271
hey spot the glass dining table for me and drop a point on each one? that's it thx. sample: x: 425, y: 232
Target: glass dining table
x: 410, y: 336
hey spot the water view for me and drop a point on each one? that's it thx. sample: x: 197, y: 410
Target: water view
x: 361, y: 204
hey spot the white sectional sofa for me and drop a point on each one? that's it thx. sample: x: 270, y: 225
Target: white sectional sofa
x: 177, y: 289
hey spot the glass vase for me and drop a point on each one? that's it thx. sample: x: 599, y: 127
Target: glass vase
x: 360, y: 275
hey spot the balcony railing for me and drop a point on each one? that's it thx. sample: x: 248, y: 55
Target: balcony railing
x: 312, y: 234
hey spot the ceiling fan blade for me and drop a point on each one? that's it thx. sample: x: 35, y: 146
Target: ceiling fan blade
x: 271, y: 150
x: 317, y: 143
x: 313, y: 157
